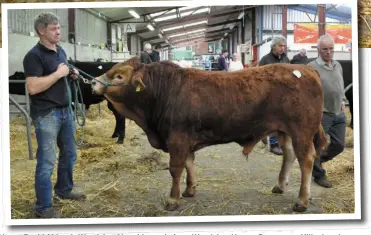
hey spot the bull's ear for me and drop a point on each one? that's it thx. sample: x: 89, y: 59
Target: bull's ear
x: 137, y: 81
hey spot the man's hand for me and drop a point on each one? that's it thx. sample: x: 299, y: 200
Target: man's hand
x: 74, y: 74
x: 62, y: 70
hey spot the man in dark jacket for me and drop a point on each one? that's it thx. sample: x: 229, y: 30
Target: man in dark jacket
x: 222, y: 65
x: 145, y: 57
x: 155, y: 55
x: 300, y: 58
x: 276, y: 55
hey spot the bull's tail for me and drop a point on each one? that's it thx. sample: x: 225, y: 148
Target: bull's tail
x: 320, y: 140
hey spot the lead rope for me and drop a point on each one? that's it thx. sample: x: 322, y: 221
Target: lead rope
x: 76, y: 89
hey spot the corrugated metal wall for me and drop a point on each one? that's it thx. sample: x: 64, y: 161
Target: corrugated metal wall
x: 273, y: 18
x: 90, y: 29
x: 22, y: 21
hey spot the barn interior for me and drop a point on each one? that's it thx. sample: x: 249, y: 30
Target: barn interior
x: 131, y: 179
x: 193, y: 34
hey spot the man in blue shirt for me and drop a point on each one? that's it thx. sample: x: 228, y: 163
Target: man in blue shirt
x: 45, y: 70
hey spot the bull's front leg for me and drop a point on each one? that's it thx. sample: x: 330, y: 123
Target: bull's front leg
x: 155, y: 140
x: 176, y: 170
x: 178, y: 155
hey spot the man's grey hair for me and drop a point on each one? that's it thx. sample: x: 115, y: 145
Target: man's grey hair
x: 303, y: 50
x: 44, y: 19
x: 323, y: 37
x: 277, y: 39
x: 147, y: 47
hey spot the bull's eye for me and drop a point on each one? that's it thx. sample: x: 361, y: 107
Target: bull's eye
x: 119, y: 76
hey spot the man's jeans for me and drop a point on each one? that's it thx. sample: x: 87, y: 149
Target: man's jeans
x: 56, y: 128
x: 334, y: 126
x: 273, y: 139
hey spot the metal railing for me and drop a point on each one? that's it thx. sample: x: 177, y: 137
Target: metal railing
x: 26, y: 114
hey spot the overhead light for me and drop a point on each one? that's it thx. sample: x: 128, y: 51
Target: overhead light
x: 241, y: 15
x: 186, y: 25
x: 169, y: 17
x: 150, y: 27
x: 225, y: 34
x: 133, y: 13
x: 231, y: 27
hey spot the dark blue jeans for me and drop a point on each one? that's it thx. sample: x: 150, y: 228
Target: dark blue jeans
x: 273, y: 139
x: 334, y: 126
x: 57, y: 128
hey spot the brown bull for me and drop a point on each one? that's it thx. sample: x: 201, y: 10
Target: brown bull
x: 184, y: 110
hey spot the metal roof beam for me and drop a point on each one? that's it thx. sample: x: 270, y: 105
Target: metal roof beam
x: 223, y: 23
x: 185, y: 31
x: 141, y: 15
x: 189, y: 40
x: 215, y: 14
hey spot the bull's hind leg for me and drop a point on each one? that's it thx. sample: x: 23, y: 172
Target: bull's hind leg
x: 287, y: 163
x: 191, y: 176
x: 306, y: 155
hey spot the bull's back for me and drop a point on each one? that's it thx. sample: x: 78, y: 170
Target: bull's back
x: 226, y: 102
x: 225, y: 93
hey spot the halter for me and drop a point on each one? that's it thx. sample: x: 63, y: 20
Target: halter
x: 106, y: 84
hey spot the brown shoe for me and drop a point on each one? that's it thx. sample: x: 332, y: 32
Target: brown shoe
x: 276, y: 150
x: 71, y: 196
x: 47, y: 214
x: 323, y: 181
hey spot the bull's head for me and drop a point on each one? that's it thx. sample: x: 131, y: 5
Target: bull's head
x: 128, y: 73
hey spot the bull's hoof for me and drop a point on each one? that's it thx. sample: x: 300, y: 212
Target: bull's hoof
x: 189, y: 193
x: 277, y: 189
x: 171, y: 205
x: 299, y: 208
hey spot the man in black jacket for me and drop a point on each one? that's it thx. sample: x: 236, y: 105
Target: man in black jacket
x: 276, y: 55
x: 155, y: 55
x: 300, y: 58
x: 222, y: 65
x: 145, y: 56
